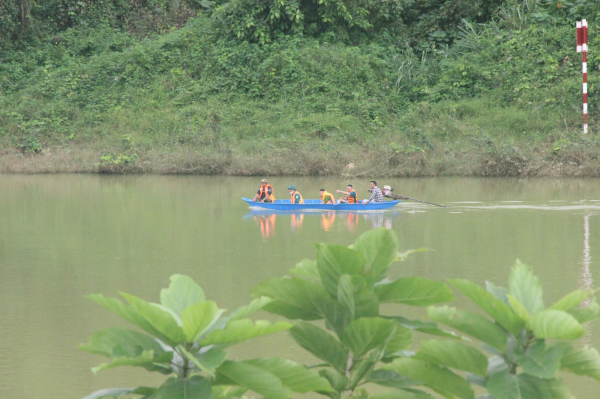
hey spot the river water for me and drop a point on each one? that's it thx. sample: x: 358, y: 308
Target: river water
x: 63, y: 237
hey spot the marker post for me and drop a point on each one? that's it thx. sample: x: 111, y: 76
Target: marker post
x: 582, y: 47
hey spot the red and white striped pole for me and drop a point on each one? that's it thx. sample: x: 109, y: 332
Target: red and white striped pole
x: 582, y: 47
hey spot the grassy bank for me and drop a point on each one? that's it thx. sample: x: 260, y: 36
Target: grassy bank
x: 500, y: 101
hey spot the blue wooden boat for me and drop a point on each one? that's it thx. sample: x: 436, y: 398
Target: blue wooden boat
x: 286, y: 205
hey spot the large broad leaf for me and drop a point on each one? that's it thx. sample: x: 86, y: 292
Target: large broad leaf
x: 400, y: 340
x: 497, y: 291
x: 572, y: 299
x: 306, y: 269
x: 402, y: 394
x: 389, y: 378
x: 161, y: 320
x: 379, y: 247
x: 146, y: 359
x: 252, y: 377
x: 453, y: 354
x: 587, y: 313
x: 333, y: 261
x: 293, y: 298
x: 194, y: 387
x: 336, y: 315
x: 523, y: 386
x: 471, y: 324
x: 119, y: 392
x: 526, y: 288
x: 337, y: 380
x: 182, y: 292
x: 198, y: 318
x: 367, y: 333
x: 363, y: 368
x: 115, y: 341
x: 210, y: 359
x: 556, y: 324
x: 130, y: 314
x: 581, y: 361
x: 519, y: 309
x: 426, y: 328
x: 225, y: 392
x: 254, y: 306
x: 293, y: 375
x: 493, y: 306
x: 241, y: 330
x: 320, y: 344
x: 540, y: 360
x: 416, y: 291
x: 345, y: 294
x: 432, y: 376
x: 559, y: 390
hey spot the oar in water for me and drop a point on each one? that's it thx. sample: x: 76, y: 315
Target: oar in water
x: 395, y: 196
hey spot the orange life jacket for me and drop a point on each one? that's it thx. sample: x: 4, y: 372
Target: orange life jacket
x: 351, y: 199
x: 332, y: 197
x: 293, y: 198
x: 265, y: 190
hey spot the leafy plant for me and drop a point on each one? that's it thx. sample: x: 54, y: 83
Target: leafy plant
x: 186, y: 337
x: 345, y: 287
x: 528, y: 342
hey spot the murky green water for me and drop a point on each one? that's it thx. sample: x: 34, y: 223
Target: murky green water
x: 62, y: 237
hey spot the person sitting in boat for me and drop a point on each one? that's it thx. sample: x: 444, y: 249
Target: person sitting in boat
x: 387, y: 191
x: 376, y: 194
x: 326, y: 198
x: 265, y: 192
x: 296, y: 196
x: 351, y: 197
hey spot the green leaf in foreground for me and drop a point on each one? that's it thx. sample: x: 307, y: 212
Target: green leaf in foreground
x: 470, y: 323
x: 333, y: 261
x: 493, y: 306
x: 453, y: 354
x: 581, y: 361
x: 241, y: 330
x: 182, y: 293
x: 523, y: 386
x: 195, y: 387
x: 321, y: 344
x: 415, y: 291
x: 526, y: 288
x: 540, y: 360
x: 391, y: 379
x: 119, y: 392
x: 293, y: 375
x: 198, y: 318
x: 402, y: 394
x: 556, y: 324
x: 293, y: 298
x: 432, y: 376
x: 252, y: 377
x: 572, y: 299
x: 587, y: 313
x: 307, y: 269
x: 379, y: 247
x: 367, y: 333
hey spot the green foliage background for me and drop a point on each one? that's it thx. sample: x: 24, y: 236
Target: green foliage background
x: 253, y: 78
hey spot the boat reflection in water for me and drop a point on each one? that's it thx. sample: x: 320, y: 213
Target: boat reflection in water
x: 326, y: 219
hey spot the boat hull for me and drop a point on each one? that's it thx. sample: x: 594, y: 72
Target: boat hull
x: 286, y: 205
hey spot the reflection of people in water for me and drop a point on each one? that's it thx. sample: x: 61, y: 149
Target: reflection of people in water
x: 297, y: 220
x: 378, y: 220
x: 327, y: 219
x: 267, y: 224
x: 352, y: 221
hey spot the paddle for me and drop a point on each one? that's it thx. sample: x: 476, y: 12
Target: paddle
x: 395, y: 196
x: 398, y: 197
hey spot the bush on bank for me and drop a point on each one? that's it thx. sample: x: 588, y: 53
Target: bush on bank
x: 454, y: 74
x: 515, y: 351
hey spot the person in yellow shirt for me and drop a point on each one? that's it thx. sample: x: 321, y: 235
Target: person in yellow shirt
x: 326, y: 198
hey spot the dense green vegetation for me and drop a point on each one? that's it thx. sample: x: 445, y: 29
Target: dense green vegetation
x: 515, y: 352
x: 403, y: 87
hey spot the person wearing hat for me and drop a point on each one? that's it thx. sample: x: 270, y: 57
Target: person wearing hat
x: 265, y: 192
x: 326, y: 198
x: 296, y: 196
